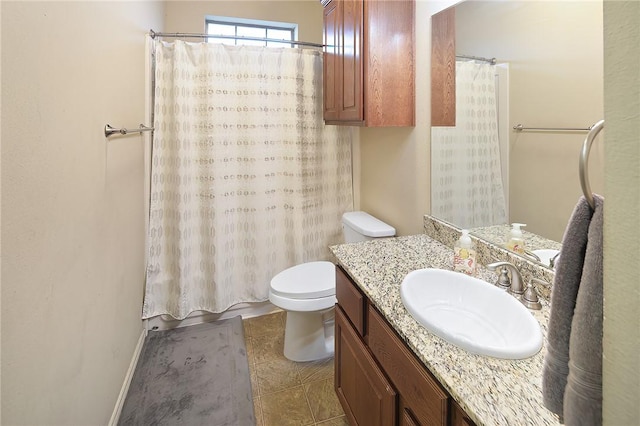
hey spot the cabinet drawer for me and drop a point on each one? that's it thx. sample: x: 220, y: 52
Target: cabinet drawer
x: 350, y: 299
x: 421, y: 392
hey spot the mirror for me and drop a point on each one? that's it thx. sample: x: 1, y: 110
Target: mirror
x: 549, y: 74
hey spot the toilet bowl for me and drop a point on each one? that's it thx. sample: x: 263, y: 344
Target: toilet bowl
x: 307, y: 293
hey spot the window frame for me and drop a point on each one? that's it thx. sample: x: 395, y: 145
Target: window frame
x: 251, y: 23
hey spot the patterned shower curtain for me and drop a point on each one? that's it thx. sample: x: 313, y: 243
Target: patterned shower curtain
x: 466, y: 178
x: 246, y: 180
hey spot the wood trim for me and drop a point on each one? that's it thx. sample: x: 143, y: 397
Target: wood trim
x: 443, y: 68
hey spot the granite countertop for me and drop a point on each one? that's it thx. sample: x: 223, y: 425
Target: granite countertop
x: 492, y: 391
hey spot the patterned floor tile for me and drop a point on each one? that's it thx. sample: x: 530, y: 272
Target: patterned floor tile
x: 323, y: 400
x: 286, y: 408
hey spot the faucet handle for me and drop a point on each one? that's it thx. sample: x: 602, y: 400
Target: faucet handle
x: 504, y: 282
x: 516, y: 287
x: 530, y: 297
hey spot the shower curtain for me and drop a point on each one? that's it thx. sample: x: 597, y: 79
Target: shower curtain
x: 466, y: 178
x: 246, y: 180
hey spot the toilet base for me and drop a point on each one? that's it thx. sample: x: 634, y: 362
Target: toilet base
x: 309, y: 336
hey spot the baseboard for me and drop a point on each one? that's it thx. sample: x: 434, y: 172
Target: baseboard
x: 246, y: 310
x: 115, y: 416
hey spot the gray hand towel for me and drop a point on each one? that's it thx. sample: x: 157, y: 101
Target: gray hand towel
x: 583, y: 394
x: 563, y: 300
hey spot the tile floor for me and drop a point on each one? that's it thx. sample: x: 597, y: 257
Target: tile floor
x: 287, y: 392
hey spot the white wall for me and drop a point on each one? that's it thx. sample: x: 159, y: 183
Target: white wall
x: 72, y: 206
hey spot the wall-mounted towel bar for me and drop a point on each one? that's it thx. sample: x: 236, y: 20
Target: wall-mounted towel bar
x: 520, y: 128
x: 584, y: 162
x: 110, y: 130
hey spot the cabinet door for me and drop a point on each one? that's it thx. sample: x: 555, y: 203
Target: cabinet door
x: 389, y: 63
x: 443, y: 68
x: 331, y: 62
x: 351, y: 52
x: 367, y: 398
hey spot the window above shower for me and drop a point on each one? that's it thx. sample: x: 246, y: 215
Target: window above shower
x: 251, y: 32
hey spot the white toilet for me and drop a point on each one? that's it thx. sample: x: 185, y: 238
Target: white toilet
x: 308, y: 293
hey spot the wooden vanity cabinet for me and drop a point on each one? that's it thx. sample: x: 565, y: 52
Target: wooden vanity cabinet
x: 369, y: 62
x: 378, y: 380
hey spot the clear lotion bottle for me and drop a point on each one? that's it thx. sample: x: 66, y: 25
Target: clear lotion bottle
x: 515, y: 242
x: 464, y: 255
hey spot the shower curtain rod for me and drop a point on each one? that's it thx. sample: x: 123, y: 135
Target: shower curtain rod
x: 492, y: 61
x: 154, y: 34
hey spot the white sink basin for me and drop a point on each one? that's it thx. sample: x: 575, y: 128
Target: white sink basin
x: 471, y: 314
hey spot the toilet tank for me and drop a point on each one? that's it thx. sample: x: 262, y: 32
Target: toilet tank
x: 361, y: 226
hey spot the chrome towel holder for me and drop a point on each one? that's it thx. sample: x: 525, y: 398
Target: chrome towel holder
x: 584, y: 162
x: 110, y: 130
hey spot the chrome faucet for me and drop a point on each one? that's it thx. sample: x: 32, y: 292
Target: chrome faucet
x: 516, y: 287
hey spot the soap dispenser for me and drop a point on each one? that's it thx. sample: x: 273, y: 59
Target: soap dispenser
x: 464, y: 255
x: 515, y: 242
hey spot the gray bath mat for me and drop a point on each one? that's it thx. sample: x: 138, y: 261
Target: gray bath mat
x: 197, y: 375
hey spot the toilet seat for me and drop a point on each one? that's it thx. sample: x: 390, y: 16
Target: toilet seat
x: 310, y: 280
x: 304, y: 288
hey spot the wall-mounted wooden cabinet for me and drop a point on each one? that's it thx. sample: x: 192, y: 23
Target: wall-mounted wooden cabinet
x: 443, y: 68
x: 378, y: 380
x: 369, y: 62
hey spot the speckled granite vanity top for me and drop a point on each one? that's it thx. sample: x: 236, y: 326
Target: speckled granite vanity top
x: 492, y: 391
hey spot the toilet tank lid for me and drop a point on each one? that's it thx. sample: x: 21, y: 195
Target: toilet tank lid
x: 368, y: 225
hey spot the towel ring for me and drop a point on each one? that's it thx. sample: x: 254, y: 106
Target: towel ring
x: 584, y: 162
